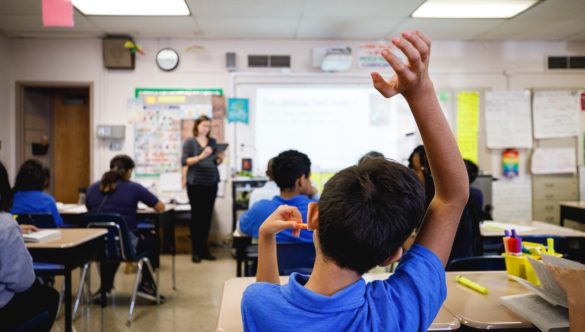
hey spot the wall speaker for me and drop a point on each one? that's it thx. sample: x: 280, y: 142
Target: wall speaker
x: 115, y: 55
x: 230, y: 61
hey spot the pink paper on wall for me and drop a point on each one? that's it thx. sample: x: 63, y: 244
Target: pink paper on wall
x: 57, y: 13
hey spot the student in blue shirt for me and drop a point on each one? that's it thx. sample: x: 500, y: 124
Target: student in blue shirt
x: 365, y: 214
x: 29, y: 196
x: 291, y: 171
x: 21, y: 297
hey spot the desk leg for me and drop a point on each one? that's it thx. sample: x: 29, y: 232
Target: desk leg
x: 173, y: 253
x: 68, y: 320
x: 102, y: 293
x: 239, y: 267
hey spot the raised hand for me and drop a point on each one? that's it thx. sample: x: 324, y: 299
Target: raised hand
x: 410, y: 77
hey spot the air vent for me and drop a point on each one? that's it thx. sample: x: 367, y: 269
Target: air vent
x: 269, y: 61
x: 566, y: 62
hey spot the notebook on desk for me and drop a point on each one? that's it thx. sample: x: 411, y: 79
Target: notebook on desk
x: 547, y: 307
x: 42, y: 235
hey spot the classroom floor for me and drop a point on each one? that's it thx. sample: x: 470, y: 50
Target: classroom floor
x: 194, y: 306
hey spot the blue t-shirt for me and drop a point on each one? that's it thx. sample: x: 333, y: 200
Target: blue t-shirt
x: 124, y: 201
x: 408, y: 300
x: 34, y: 201
x: 251, y: 220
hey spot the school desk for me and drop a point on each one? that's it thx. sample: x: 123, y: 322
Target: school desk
x: 73, y: 214
x: 573, y: 211
x: 489, y: 229
x: 484, y: 311
x: 73, y: 249
x: 230, y: 316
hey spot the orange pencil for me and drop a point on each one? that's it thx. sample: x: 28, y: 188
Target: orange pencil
x: 301, y: 225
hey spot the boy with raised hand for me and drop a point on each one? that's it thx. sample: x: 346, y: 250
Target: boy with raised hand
x: 365, y: 214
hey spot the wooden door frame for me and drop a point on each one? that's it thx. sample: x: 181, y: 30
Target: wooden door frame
x: 19, y: 116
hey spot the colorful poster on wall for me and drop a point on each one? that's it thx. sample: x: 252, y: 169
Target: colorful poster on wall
x: 467, y: 124
x: 369, y: 55
x: 237, y: 110
x: 510, y: 163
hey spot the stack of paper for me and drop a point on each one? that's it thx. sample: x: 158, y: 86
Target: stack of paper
x: 547, y: 308
x: 42, y: 235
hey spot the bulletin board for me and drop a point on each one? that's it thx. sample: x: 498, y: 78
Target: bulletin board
x: 164, y: 118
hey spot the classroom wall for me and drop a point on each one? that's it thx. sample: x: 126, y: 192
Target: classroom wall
x: 454, y: 65
x: 6, y: 134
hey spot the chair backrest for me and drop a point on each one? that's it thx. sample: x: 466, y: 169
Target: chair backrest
x: 118, y: 246
x: 41, y: 220
x: 295, y: 257
x: 478, y: 263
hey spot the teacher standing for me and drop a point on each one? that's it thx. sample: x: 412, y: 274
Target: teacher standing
x: 200, y: 176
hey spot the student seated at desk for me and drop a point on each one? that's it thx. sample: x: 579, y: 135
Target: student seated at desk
x: 29, y: 196
x: 365, y: 214
x: 115, y: 193
x: 21, y: 297
x: 291, y: 170
x: 268, y: 190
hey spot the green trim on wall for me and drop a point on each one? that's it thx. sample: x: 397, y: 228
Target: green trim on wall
x: 140, y: 91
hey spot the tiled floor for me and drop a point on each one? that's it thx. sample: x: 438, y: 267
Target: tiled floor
x: 194, y: 306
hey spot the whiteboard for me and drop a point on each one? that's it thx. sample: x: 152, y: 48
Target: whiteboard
x: 556, y: 114
x: 395, y: 133
x: 508, y: 119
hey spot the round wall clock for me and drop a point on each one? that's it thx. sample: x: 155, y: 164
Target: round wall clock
x: 167, y: 59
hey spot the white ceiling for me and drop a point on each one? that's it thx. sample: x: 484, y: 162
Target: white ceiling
x: 303, y: 19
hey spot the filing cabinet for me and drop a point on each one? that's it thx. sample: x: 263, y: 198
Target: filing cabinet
x: 547, y: 193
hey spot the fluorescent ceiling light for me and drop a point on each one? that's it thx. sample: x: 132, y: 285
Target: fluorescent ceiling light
x: 472, y: 8
x: 133, y: 7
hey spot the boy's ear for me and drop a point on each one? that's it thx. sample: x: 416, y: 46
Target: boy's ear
x: 313, y: 215
x: 393, y: 258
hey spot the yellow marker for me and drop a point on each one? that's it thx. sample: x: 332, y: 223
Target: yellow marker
x: 468, y: 283
x: 550, y: 243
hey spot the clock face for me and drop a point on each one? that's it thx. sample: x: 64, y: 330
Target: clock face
x: 167, y: 59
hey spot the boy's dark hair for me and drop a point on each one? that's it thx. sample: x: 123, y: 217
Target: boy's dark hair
x: 367, y: 211
x: 5, y: 191
x: 371, y: 154
x: 32, y: 175
x: 472, y: 170
x: 288, y: 166
x: 120, y: 165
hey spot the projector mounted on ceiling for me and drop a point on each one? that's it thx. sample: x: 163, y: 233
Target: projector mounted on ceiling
x: 333, y: 59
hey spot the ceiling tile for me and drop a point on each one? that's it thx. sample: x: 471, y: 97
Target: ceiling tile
x: 147, y: 26
x: 345, y: 28
x: 20, y: 7
x: 448, y: 29
x: 361, y: 8
x: 243, y: 8
x: 535, y: 30
x: 555, y: 9
x: 247, y: 27
x: 14, y: 25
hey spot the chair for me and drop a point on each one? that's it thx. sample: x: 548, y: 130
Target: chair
x: 295, y: 257
x: 40, y: 220
x: 118, y: 249
x: 478, y: 263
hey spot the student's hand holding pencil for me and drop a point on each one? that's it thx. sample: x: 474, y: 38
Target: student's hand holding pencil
x: 284, y: 217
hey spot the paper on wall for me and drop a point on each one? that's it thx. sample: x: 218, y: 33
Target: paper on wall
x: 170, y: 181
x: 467, y: 124
x: 553, y: 161
x: 556, y: 114
x: 512, y: 199
x: 508, y: 119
